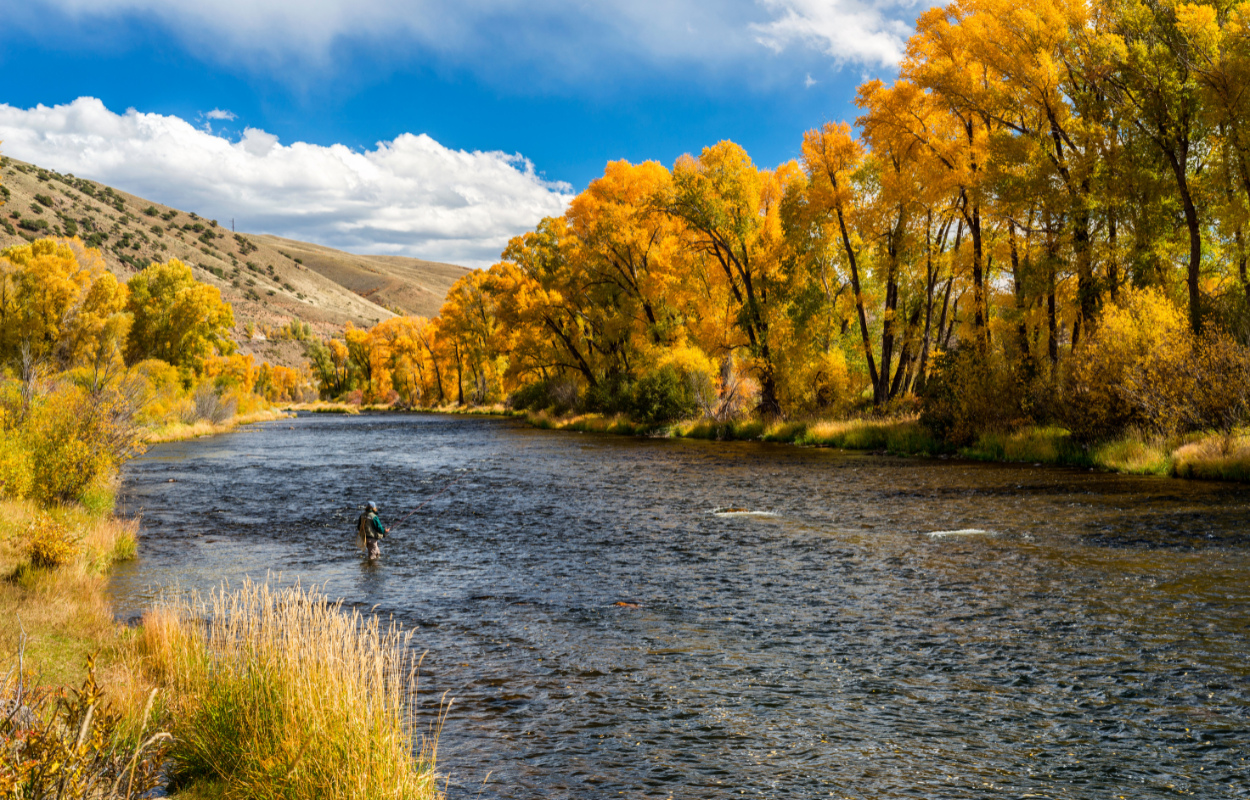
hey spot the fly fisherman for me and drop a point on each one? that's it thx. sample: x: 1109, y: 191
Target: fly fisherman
x: 369, y: 530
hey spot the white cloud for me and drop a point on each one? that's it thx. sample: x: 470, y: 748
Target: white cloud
x: 410, y: 196
x: 562, y: 40
x: 851, y: 31
x: 809, y: 81
x: 218, y: 113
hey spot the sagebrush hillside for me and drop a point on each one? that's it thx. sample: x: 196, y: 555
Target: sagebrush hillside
x: 269, y: 280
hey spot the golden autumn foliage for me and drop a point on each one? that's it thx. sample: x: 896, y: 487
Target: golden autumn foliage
x: 176, y: 318
x: 1041, y: 221
x: 71, y: 408
x: 58, y: 302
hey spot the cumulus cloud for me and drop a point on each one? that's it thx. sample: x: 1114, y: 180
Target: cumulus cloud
x: 848, y: 30
x: 218, y: 113
x: 557, y: 39
x: 409, y: 196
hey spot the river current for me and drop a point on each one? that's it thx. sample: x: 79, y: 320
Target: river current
x: 620, y: 617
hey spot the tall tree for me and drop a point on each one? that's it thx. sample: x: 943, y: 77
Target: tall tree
x: 732, y: 214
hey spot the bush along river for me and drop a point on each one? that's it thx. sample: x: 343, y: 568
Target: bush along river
x: 654, y: 618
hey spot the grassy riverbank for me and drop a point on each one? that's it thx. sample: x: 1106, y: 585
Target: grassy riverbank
x: 55, y: 563
x: 255, y: 706
x: 1209, y: 456
x: 181, y: 431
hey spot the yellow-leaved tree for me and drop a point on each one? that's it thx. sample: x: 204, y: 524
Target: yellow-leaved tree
x: 59, y: 303
x: 176, y: 318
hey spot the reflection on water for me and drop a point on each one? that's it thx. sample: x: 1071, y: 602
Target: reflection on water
x: 615, y: 618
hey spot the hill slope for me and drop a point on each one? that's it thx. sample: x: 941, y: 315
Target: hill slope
x: 268, y: 280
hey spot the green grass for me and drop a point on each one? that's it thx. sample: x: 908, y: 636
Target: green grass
x: 1039, y: 445
x: 1134, y: 454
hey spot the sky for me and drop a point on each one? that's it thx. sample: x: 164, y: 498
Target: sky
x: 431, y: 129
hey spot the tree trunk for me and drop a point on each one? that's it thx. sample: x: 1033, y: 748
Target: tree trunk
x: 978, y: 279
x: 1022, y: 306
x: 859, y: 307
x: 1179, y: 162
x: 1113, y: 263
x: 886, y: 390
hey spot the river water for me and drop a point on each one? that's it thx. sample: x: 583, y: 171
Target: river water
x: 1091, y: 641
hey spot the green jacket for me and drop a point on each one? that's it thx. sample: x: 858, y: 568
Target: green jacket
x: 370, y: 526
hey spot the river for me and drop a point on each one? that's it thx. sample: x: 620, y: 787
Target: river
x: 839, y: 639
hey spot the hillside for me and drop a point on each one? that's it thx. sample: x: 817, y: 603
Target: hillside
x: 268, y: 280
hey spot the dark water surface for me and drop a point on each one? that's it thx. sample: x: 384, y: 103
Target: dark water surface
x: 1093, y: 644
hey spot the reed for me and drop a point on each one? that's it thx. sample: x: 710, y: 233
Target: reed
x: 780, y: 431
x: 902, y: 435
x: 281, y: 693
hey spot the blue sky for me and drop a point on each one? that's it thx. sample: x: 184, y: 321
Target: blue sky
x: 520, y: 103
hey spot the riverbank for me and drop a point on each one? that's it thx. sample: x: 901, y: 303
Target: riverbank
x: 1209, y: 456
x: 1197, y: 456
x: 181, y: 431
x: 54, y: 564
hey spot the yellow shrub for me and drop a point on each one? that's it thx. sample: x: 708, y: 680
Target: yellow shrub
x: 52, y: 544
x: 15, y: 477
x: 163, y: 392
x: 1143, y: 325
x: 75, y: 438
x: 1195, y: 384
x: 697, y: 370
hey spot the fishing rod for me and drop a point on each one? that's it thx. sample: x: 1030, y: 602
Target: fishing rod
x: 430, y: 500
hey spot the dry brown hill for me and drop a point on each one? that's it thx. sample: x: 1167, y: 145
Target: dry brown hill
x: 403, y: 285
x: 269, y: 280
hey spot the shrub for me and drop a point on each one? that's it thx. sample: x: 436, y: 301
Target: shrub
x: 151, y: 211
x: 15, y: 473
x: 1192, y: 385
x: 74, y: 745
x: 1136, y: 329
x: 558, y: 395
x: 43, y: 200
x: 212, y: 405
x: 663, y: 395
x: 52, y: 545
x: 819, y: 385
x: 611, y: 395
x: 76, y: 437
x: 970, y: 392
x: 1143, y: 368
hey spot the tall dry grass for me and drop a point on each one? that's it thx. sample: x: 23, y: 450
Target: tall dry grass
x: 1214, y: 457
x: 180, y: 431
x: 281, y: 693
